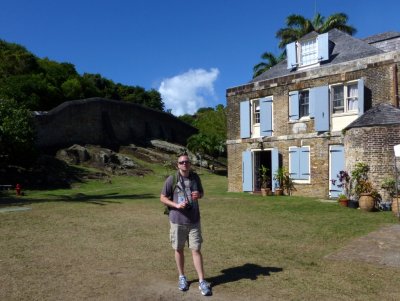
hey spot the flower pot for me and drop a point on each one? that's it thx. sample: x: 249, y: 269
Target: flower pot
x: 343, y: 202
x: 278, y: 191
x: 352, y: 204
x: 366, y: 202
x: 395, y: 206
x: 265, y: 191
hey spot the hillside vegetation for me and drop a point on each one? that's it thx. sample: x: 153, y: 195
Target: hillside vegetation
x: 42, y: 84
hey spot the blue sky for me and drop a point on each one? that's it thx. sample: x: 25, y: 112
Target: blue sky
x: 191, y: 51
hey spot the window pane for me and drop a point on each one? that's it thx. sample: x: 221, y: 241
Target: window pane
x: 256, y: 111
x: 352, y: 97
x: 303, y: 103
x: 308, y: 52
x: 337, y: 99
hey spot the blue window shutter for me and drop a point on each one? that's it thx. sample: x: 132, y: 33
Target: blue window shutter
x: 291, y: 55
x: 321, y: 108
x: 311, y: 103
x: 304, y: 163
x: 294, y: 167
x: 294, y: 105
x: 336, y: 162
x: 360, y: 96
x: 247, y: 171
x: 266, y: 116
x: 274, y: 166
x: 323, y: 47
x: 245, y: 119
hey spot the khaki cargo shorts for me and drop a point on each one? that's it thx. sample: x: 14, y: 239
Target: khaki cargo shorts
x: 180, y: 234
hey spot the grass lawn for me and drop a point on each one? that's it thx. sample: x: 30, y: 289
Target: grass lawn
x: 109, y: 241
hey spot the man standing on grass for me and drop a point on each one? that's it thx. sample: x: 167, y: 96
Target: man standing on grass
x: 181, y: 193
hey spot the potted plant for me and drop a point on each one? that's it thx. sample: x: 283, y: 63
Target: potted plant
x: 265, y: 180
x: 279, y: 176
x: 345, y: 182
x: 343, y: 200
x: 363, y: 189
x: 288, y: 184
x: 389, y: 185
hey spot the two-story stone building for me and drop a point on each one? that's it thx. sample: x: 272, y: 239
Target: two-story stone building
x: 298, y: 113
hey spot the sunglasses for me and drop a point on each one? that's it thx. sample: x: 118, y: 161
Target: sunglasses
x: 183, y: 162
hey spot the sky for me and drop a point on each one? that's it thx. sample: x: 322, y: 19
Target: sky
x: 190, y: 51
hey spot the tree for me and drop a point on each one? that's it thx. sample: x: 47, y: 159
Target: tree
x: 16, y: 133
x: 298, y: 26
x: 16, y: 60
x: 270, y: 61
x: 57, y: 73
x: 42, y: 84
x: 153, y: 100
x: 32, y: 91
x: 199, y: 143
x: 211, y: 138
x: 187, y: 118
x: 72, y: 89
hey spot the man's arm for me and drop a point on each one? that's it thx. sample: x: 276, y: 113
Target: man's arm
x: 166, y: 201
x: 167, y: 193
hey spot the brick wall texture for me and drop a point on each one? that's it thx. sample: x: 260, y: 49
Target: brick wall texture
x: 373, y: 145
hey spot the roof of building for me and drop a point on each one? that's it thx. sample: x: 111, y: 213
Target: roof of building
x: 381, y: 114
x: 342, y: 48
x: 381, y: 37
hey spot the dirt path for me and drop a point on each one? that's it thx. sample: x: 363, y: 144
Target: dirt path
x: 380, y: 247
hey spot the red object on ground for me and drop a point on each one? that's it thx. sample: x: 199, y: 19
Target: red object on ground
x: 18, y: 189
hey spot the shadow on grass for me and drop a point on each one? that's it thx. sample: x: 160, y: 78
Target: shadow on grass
x: 100, y: 199
x: 247, y: 271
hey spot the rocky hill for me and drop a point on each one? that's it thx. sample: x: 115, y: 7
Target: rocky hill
x: 63, y: 169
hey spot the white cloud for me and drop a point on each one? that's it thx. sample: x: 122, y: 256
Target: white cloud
x: 185, y: 93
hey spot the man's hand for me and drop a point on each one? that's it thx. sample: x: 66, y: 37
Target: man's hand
x: 181, y: 205
x: 195, y: 195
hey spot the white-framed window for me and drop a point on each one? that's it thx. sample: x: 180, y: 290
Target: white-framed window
x: 308, y: 52
x: 299, y: 104
x: 256, y: 117
x: 304, y: 102
x: 255, y: 111
x: 344, y: 98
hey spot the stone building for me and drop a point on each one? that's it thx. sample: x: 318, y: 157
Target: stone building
x: 294, y: 115
x: 108, y: 123
x: 371, y: 139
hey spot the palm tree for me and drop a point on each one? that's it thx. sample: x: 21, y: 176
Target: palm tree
x: 298, y: 26
x: 270, y: 60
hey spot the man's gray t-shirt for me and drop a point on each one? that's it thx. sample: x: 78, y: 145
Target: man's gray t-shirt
x: 180, y: 193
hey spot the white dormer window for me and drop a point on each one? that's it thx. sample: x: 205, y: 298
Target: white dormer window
x: 307, y: 52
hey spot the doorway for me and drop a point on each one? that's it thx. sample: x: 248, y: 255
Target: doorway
x: 261, y: 158
x: 251, y: 163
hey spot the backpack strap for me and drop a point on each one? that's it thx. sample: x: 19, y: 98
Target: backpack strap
x: 175, y: 178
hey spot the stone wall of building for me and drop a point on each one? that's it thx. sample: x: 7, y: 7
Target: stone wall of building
x: 107, y: 123
x: 319, y: 158
x: 374, y: 146
x: 380, y: 85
